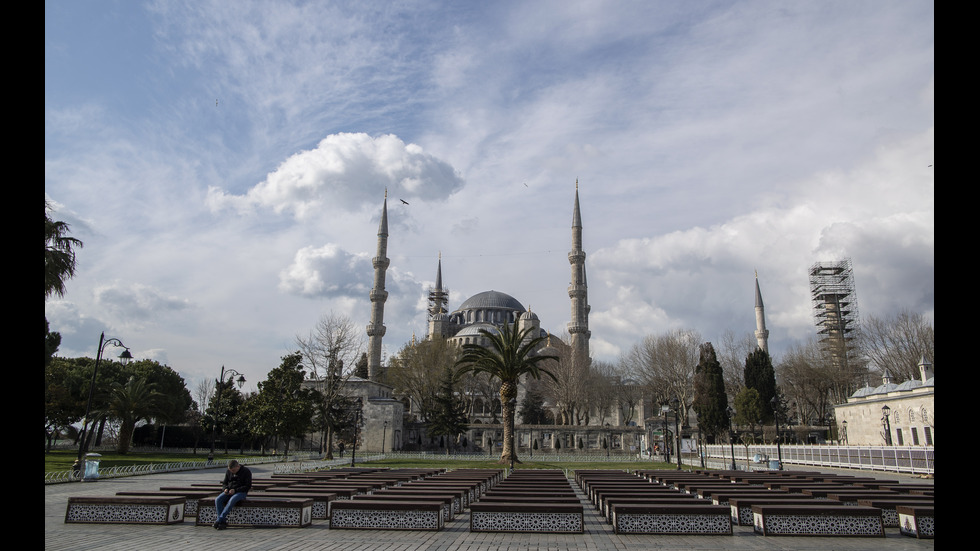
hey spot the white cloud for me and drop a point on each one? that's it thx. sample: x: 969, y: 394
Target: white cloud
x: 346, y: 171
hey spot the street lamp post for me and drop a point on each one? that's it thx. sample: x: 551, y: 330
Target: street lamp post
x: 731, y: 435
x: 885, y: 410
x: 217, y: 403
x: 384, y: 435
x: 776, y: 406
x: 664, y: 408
x: 124, y: 359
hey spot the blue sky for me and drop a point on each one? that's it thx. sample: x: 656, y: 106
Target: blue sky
x: 225, y: 165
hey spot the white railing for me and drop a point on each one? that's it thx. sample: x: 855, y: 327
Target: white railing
x: 54, y: 477
x: 902, y: 459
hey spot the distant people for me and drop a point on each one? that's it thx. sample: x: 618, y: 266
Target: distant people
x: 235, y: 487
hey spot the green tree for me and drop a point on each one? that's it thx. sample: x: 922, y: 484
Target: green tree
x: 710, y: 399
x: 749, y: 408
x: 283, y: 408
x: 59, y: 255
x: 760, y: 375
x: 449, y: 419
x: 223, y: 410
x: 510, y: 354
x: 532, y: 408
x: 131, y: 402
x: 175, y: 402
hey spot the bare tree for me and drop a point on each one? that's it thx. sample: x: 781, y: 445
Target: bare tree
x: 666, y: 363
x: 731, y: 355
x: 806, y: 377
x: 330, y: 353
x: 203, y: 393
x: 898, y: 343
x: 417, y: 370
x: 567, y: 391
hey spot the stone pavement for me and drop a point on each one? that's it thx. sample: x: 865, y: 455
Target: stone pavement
x: 598, y: 535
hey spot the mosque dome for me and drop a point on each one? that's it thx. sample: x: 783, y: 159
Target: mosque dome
x: 492, y: 299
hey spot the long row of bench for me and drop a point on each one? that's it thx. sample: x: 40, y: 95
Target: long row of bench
x: 810, y: 503
x: 529, y: 500
x: 641, y: 502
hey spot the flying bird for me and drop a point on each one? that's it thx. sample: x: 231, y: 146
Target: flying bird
x: 403, y: 201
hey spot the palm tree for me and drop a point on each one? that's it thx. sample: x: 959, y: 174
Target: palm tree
x: 59, y: 255
x: 509, y: 355
x: 135, y: 401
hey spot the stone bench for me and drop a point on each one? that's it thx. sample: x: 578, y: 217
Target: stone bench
x: 917, y: 521
x: 260, y: 511
x: 445, y: 499
x: 125, y: 509
x: 888, y: 506
x: 191, y: 497
x: 457, y: 497
x: 388, y: 514
x: 817, y: 520
x: 674, y: 518
x: 321, y: 500
x: 517, y: 516
x: 605, y: 508
x: 741, y: 507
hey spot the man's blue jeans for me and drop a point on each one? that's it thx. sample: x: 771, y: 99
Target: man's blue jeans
x: 224, y: 502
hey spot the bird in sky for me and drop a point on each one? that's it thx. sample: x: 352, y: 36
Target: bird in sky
x: 403, y: 201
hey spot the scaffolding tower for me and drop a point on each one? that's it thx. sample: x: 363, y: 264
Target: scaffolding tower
x: 835, y: 308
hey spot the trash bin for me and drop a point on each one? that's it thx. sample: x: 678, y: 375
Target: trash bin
x: 91, y: 473
x: 774, y: 464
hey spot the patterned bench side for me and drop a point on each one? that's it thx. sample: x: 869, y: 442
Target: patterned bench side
x: 282, y: 512
x: 817, y: 520
x: 124, y: 510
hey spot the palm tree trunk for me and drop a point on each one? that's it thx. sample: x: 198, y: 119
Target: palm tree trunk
x: 508, y: 393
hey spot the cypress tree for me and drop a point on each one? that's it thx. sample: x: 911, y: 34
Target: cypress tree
x: 760, y: 375
x: 710, y: 399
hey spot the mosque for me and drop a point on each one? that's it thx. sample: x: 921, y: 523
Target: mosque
x: 385, y: 426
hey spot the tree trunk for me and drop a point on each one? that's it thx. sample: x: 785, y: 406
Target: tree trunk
x: 508, y: 392
x: 126, y: 429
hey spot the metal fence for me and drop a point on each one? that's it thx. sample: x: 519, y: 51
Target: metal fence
x: 901, y: 459
x: 55, y: 477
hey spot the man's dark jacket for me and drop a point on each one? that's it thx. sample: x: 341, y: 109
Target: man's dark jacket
x: 240, y: 481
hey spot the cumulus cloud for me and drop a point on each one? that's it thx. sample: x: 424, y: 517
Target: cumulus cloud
x: 325, y: 271
x: 346, y: 171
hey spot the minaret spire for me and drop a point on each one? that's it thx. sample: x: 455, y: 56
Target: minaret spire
x: 376, y: 329
x: 761, y: 333
x: 578, y: 292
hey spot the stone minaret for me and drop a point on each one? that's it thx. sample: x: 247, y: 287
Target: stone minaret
x: 761, y: 333
x: 376, y: 329
x: 438, y: 299
x: 578, y: 291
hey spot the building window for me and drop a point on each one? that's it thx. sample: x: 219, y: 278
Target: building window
x: 928, y: 434
x: 899, y: 439
x: 915, y: 436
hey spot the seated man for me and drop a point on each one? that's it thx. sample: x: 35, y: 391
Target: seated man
x: 237, y: 483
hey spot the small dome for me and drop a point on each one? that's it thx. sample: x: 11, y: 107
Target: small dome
x: 909, y: 385
x: 862, y: 392
x: 529, y: 316
x: 474, y: 330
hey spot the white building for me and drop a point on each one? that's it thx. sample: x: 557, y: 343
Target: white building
x: 891, y: 414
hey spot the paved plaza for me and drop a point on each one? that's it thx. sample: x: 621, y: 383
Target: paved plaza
x: 598, y: 535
